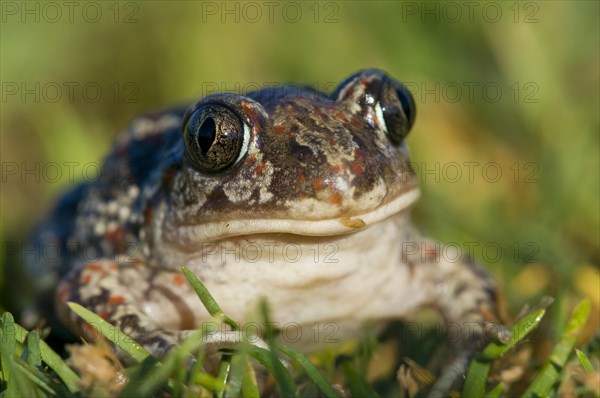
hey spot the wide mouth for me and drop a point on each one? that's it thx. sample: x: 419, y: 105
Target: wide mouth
x: 212, y: 231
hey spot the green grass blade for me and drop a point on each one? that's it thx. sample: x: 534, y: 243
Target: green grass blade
x: 543, y: 383
x: 518, y: 331
x: 40, y: 379
x: 249, y: 383
x: 311, y: 371
x: 126, y: 343
x: 18, y: 385
x: 34, y: 356
x: 585, y: 362
x: 224, y: 371
x: 357, y: 384
x: 207, y: 299
x: 476, y: 378
x: 151, y: 378
x: 143, y: 379
x: 52, y: 359
x: 25, y: 380
x: 494, y: 392
x: 8, y: 344
x: 207, y: 381
x: 55, y: 362
x: 282, y: 376
x: 236, y: 374
x: 199, y: 377
x: 178, y: 376
x: 214, y: 310
x: 479, y: 368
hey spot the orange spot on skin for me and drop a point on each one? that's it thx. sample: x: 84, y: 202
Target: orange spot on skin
x: 85, y: 279
x: 357, y: 168
x: 319, y: 113
x: 249, y: 110
x: 94, y: 267
x: 340, y: 116
x: 178, y: 279
x: 357, y: 165
x: 487, y: 315
x: 260, y: 168
x: 113, y: 266
x: 430, y: 252
x: 103, y: 315
x: 279, y: 128
x: 376, y: 123
x: 317, y: 184
x: 116, y: 235
x: 336, y: 198
x: 336, y: 168
x: 251, y: 158
x: 116, y: 300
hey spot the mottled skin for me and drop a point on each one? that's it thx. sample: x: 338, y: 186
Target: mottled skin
x: 315, y: 171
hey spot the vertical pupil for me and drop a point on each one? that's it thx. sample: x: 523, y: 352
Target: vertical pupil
x: 206, y: 134
x: 406, y: 102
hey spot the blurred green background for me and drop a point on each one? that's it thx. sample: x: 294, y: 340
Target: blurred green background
x: 500, y: 87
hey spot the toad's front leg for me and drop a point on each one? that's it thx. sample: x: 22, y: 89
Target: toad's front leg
x: 156, y: 308
x: 459, y: 288
x: 464, y: 295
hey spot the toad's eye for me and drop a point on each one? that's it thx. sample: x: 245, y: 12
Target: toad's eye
x: 408, y: 104
x: 398, y: 109
x: 215, y: 137
x: 390, y: 101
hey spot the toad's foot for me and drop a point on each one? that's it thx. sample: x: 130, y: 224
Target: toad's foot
x: 464, y: 295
